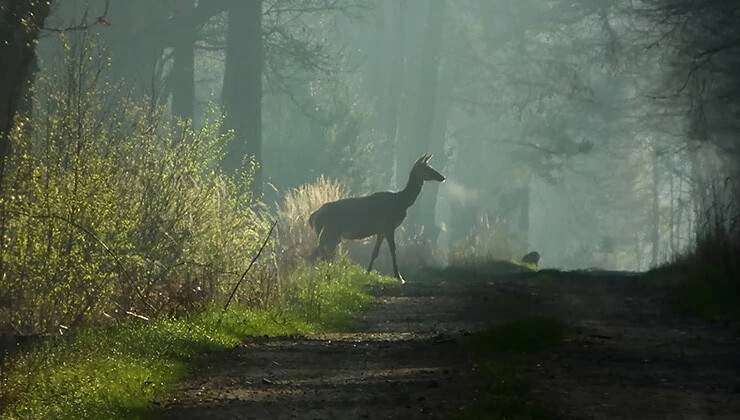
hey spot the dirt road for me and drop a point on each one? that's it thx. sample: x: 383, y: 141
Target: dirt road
x: 628, y: 355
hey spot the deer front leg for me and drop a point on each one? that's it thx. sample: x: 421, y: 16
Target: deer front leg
x: 390, y: 237
x: 376, y: 250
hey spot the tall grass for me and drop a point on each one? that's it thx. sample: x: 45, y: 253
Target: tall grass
x: 489, y: 240
x: 297, y: 238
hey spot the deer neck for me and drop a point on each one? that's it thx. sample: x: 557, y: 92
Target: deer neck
x: 413, y: 188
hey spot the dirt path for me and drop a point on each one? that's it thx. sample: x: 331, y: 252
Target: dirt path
x: 628, y: 357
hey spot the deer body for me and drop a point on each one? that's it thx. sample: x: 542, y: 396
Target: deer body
x: 376, y: 214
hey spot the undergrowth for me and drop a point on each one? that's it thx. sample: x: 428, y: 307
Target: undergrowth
x: 119, y: 371
x: 501, y: 356
x: 709, y: 275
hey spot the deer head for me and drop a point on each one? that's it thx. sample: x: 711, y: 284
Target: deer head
x: 422, y: 170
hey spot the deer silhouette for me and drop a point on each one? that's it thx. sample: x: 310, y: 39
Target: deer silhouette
x: 377, y: 214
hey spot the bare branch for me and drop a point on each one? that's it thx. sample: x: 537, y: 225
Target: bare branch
x: 84, y: 24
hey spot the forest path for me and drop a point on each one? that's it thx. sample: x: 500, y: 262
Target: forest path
x: 628, y: 356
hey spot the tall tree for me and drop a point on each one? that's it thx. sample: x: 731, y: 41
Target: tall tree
x: 428, y: 134
x: 20, y: 22
x: 242, y: 87
x: 182, y: 77
x: 138, y: 34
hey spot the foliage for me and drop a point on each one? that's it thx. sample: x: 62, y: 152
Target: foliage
x: 109, y: 207
x: 118, y: 371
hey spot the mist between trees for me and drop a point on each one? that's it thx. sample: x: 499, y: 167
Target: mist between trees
x: 147, y: 145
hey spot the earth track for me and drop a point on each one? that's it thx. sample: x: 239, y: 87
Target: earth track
x: 628, y: 356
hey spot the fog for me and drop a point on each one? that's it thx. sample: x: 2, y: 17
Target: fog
x: 588, y: 131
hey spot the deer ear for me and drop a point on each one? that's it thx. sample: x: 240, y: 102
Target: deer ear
x: 427, y: 157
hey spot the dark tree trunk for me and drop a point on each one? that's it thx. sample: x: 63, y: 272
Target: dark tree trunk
x: 435, y: 145
x: 182, y: 76
x: 242, y: 87
x: 20, y: 22
x: 137, y: 36
x: 655, y: 210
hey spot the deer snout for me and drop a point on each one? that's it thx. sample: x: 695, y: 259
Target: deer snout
x: 436, y: 176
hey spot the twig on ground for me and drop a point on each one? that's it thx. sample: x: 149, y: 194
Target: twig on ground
x: 251, y: 263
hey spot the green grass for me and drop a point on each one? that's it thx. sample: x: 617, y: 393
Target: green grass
x: 119, y: 371
x: 501, y: 356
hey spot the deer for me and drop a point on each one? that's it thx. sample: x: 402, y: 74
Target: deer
x: 376, y: 214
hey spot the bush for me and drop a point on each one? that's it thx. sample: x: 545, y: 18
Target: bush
x: 109, y: 207
x: 710, y: 284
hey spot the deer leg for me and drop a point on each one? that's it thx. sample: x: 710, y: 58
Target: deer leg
x: 390, y: 237
x: 376, y: 250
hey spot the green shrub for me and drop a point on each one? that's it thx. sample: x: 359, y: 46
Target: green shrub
x: 109, y: 206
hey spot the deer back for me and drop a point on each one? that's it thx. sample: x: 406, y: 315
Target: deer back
x: 360, y: 217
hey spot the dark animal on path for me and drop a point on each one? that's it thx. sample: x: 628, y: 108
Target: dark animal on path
x: 531, y: 258
x: 377, y: 214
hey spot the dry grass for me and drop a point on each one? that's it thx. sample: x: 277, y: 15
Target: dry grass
x: 489, y: 239
x: 297, y: 239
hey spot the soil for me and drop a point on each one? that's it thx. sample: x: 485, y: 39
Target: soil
x: 628, y: 355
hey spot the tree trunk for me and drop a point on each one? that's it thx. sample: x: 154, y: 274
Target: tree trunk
x: 523, y: 218
x: 672, y: 214
x: 182, y: 76
x: 137, y: 36
x: 655, y: 209
x: 415, y: 22
x: 395, y: 85
x: 20, y: 22
x: 242, y: 87
x: 427, y: 119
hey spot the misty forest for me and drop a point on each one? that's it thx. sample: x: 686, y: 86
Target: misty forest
x: 361, y: 209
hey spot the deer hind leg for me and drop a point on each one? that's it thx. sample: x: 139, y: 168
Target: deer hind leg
x: 376, y: 250
x: 390, y: 237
